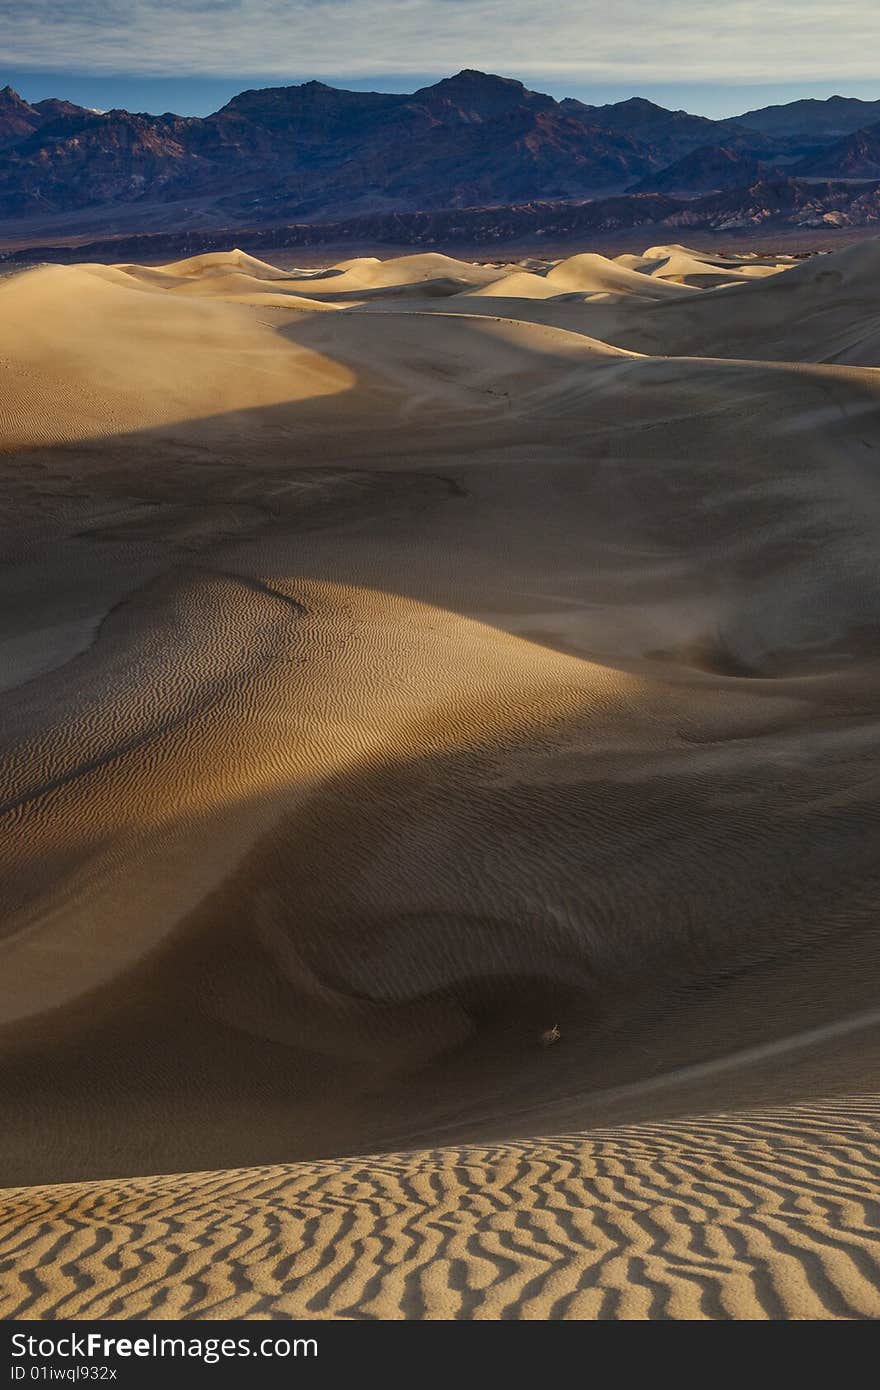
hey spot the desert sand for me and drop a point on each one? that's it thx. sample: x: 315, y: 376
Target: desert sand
x: 399, y: 662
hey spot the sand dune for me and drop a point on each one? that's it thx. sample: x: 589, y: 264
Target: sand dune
x: 517, y: 285
x: 87, y: 357
x: 757, y: 1216
x: 399, y: 660
x: 821, y: 310
x: 684, y: 267
x: 592, y: 273
x: 367, y: 277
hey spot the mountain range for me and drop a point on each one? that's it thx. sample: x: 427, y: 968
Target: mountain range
x: 314, y: 154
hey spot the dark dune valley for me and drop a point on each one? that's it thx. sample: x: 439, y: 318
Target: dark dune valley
x: 438, y: 722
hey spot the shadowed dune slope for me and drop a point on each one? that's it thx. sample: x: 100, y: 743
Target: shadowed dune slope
x: 825, y: 309
x: 402, y: 665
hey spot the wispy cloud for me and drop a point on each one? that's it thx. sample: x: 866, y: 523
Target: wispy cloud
x: 660, y: 41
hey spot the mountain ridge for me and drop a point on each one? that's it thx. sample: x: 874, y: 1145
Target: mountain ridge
x: 312, y: 152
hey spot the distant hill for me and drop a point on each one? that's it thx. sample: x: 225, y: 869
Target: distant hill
x: 812, y: 119
x: 855, y: 157
x: 18, y: 118
x: 314, y: 153
x: 311, y: 150
x: 705, y: 170
x: 769, y: 206
x: 667, y: 134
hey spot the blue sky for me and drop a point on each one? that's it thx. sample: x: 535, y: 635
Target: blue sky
x: 192, y: 55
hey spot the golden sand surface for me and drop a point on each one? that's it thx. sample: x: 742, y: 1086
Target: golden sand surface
x: 403, y: 665
x: 767, y: 1215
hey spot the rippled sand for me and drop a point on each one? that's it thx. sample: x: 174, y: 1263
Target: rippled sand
x: 764, y: 1216
x: 398, y: 662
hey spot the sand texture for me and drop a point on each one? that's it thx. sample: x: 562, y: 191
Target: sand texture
x: 763, y: 1216
x: 404, y: 665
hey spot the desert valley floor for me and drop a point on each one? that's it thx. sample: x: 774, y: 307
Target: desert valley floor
x: 404, y: 665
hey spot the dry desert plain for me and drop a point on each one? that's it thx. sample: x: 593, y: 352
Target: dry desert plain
x: 403, y: 664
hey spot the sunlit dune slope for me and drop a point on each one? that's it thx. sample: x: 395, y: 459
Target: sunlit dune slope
x: 765, y: 1215
x: 86, y: 356
x: 592, y: 273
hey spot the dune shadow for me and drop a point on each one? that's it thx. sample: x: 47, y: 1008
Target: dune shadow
x: 586, y: 837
